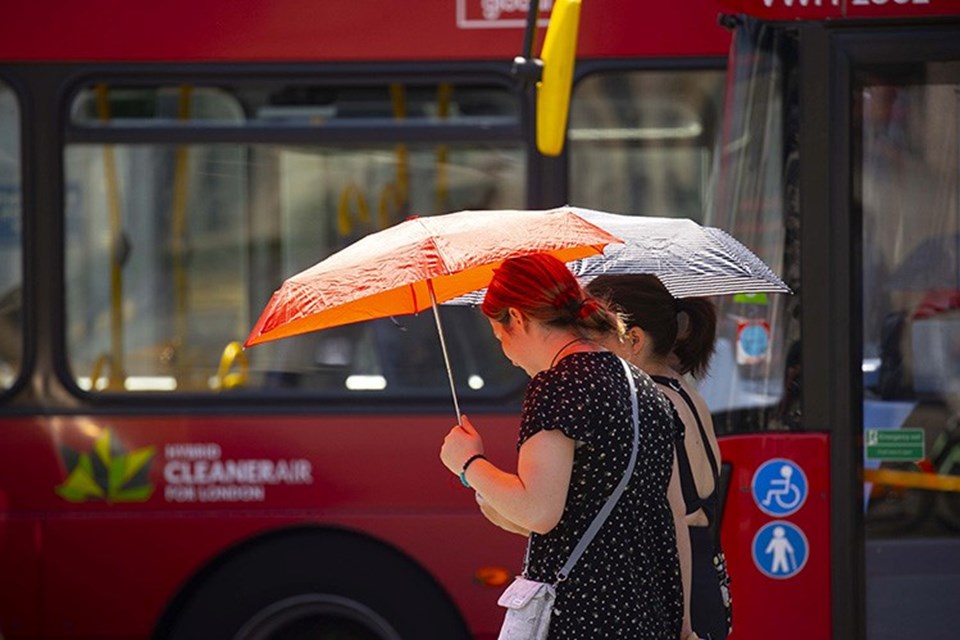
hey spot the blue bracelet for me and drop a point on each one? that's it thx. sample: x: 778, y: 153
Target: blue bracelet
x: 463, y: 472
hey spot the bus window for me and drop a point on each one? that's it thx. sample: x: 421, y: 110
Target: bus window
x: 173, y: 250
x: 11, y: 240
x: 652, y: 132
x: 907, y: 185
x: 754, y: 379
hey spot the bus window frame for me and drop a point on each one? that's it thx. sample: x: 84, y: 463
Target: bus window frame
x: 706, y: 136
x: 557, y: 169
x: 360, y: 132
x: 27, y: 336
x: 546, y: 184
x: 270, y: 401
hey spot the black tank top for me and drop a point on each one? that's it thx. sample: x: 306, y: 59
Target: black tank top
x: 688, y: 485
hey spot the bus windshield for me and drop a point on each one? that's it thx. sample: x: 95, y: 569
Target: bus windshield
x: 752, y: 383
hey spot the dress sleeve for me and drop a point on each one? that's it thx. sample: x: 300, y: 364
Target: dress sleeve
x: 559, y: 399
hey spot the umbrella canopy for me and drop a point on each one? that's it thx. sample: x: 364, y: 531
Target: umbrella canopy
x: 413, y: 265
x: 689, y: 259
x: 391, y: 272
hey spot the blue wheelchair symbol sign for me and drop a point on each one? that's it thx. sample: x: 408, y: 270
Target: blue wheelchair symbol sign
x: 779, y: 487
x: 780, y: 550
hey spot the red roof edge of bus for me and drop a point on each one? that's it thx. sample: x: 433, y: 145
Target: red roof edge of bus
x: 340, y: 30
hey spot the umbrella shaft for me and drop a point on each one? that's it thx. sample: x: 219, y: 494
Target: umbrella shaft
x: 443, y: 347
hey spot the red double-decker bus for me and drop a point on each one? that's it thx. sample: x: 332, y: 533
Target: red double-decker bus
x: 162, y: 169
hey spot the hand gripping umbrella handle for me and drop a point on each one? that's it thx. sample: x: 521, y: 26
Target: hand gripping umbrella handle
x: 443, y: 347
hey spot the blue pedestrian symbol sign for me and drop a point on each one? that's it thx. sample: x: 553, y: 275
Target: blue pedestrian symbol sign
x: 780, y: 550
x: 779, y: 487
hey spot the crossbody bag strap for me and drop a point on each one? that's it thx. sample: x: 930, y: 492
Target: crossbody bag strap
x: 617, y: 492
x: 674, y: 384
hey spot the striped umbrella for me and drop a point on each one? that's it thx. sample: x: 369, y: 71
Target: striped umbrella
x: 691, y: 260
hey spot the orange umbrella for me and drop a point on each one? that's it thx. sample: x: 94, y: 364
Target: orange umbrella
x: 417, y: 264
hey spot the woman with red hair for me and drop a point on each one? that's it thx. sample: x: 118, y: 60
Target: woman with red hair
x: 575, y: 445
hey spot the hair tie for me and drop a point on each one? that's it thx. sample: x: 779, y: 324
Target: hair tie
x: 586, y: 308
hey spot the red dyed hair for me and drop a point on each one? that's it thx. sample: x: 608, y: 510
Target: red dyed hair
x: 541, y: 287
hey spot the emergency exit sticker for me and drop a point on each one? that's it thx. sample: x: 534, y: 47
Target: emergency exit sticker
x: 895, y: 444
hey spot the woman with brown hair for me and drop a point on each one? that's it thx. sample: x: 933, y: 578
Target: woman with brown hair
x: 577, y: 441
x: 669, y: 338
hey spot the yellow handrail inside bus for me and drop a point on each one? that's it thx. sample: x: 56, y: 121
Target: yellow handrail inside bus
x: 117, y: 374
x: 553, y: 91
x: 351, y: 194
x: 233, y: 354
x: 390, y: 204
x: 180, y: 282
x: 912, y: 479
x: 97, y: 372
x: 444, y: 92
x: 398, y: 97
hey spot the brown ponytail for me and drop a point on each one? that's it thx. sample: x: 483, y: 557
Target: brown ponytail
x: 694, y: 345
x: 685, y: 327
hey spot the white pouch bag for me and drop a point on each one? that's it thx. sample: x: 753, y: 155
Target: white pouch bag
x: 529, y: 605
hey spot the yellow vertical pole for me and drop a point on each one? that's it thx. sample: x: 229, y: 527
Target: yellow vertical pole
x: 117, y: 374
x: 444, y: 91
x: 398, y: 96
x: 179, y: 231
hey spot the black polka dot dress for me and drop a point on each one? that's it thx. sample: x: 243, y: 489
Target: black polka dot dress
x: 627, y: 582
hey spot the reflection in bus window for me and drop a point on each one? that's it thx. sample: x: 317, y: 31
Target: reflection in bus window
x: 172, y: 252
x: 754, y: 382
x: 655, y: 134
x: 11, y: 240
x: 908, y: 182
x: 652, y: 132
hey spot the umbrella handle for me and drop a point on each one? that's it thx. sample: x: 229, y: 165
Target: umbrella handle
x: 443, y: 347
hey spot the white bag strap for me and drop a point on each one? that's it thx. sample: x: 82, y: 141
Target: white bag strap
x: 615, y: 496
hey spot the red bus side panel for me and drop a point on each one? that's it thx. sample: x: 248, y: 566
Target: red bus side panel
x: 340, y: 30
x: 778, y: 556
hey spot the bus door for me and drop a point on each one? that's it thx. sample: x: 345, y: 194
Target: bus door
x: 838, y: 163
x: 904, y: 168
x: 776, y: 483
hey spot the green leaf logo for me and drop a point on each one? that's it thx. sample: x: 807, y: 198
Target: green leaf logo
x: 107, y: 473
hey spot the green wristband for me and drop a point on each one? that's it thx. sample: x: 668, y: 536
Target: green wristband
x: 463, y: 472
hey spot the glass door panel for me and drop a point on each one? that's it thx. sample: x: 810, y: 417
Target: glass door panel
x: 906, y: 184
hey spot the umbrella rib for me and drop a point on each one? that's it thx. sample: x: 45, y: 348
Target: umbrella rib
x: 432, y: 239
x: 413, y: 294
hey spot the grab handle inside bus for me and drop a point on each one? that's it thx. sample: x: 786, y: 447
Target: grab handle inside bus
x: 233, y: 354
x: 553, y: 91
